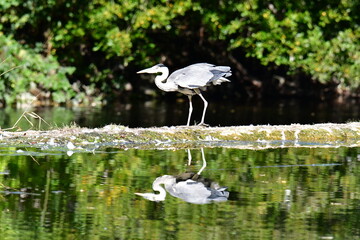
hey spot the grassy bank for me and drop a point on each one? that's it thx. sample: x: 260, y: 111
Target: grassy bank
x: 262, y: 136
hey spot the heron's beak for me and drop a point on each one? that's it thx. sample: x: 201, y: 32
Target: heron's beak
x: 151, y: 196
x: 152, y: 69
x: 141, y: 71
x: 147, y: 70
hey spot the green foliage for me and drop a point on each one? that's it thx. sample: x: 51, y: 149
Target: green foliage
x: 321, y: 40
x: 107, y: 40
x: 25, y: 70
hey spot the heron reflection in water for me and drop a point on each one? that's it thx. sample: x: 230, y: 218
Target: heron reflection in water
x: 190, y: 187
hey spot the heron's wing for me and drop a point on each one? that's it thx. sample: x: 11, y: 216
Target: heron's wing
x: 190, y: 191
x: 199, y: 75
x: 191, y: 77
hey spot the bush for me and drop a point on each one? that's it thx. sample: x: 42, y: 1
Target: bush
x: 25, y: 70
x: 107, y: 40
x: 320, y: 39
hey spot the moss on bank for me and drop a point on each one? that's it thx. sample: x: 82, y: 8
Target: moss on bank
x: 261, y: 136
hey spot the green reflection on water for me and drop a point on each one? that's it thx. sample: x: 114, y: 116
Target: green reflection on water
x: 299, y: 193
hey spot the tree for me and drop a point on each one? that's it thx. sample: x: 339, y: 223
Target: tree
x: 106, y: 41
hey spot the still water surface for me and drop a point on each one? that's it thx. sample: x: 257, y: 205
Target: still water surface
x: 285, y: 193
x: 168, y: 113
x: 289, y: 193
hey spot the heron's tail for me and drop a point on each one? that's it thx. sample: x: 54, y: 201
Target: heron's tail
x: 220, y: 81
x: 225, y: 70
x: 220, y: 74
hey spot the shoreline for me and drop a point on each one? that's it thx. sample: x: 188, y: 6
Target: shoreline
x: 257, y: 136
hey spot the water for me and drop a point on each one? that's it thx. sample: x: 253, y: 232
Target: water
x: 284, y: 193
x: 167, y: 113
x: 288, y: 193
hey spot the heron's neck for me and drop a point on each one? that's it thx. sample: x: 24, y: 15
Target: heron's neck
x: 162, y: 193
x: 162, y: 84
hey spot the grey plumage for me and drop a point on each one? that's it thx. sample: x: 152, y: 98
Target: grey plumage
x: 200, y: 75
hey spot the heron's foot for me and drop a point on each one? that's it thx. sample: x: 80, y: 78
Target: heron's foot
x: 203, y: 125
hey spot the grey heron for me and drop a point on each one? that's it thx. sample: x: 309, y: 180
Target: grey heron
x: 190, y: 81
x: 189, y: 187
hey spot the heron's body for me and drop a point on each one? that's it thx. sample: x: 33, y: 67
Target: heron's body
x: 188, y: 190
x: 190, y: 80
x: 190, y: 187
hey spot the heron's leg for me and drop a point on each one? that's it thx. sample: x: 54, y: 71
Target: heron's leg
x: 204, y: 162
x: 189, y: 157
x: 205, y: 106
x: 190, y: 110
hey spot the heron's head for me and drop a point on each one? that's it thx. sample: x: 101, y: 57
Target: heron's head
x: 158, y: 68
